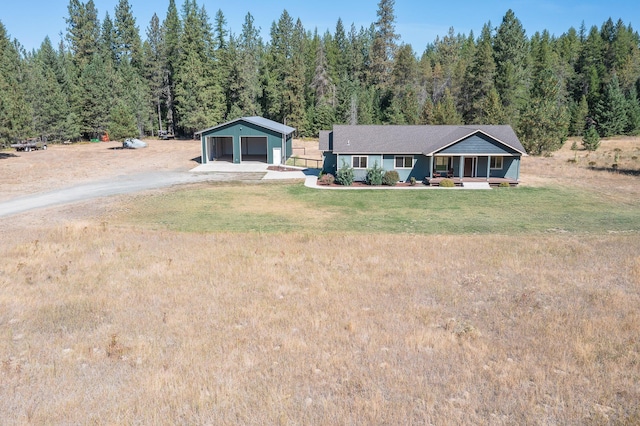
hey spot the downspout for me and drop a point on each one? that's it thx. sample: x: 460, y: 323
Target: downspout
x: 205, y: 153
x: 283, y: 145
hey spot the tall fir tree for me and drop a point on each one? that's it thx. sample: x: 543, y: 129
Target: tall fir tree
x: 633, y: 113
x: 50, y: 106
x: 384, y: 45
x: 127, y: 35
x: 156, y: 68
x: 445, y: 111
x: 15, y: 111
x: 171, y: 29
x: 543, y: 121
x: 611, y: 112
x: 579, y: 114
x: 83, y: 31
x: 510, y: 54
x: 479, y: 81
x: 199, y: 97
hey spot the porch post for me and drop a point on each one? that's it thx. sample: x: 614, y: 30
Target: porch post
x: 461, y: 165
x: 431, y: 167
x: 488, y: 167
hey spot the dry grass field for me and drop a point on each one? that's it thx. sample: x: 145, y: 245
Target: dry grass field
x: 106, y: 318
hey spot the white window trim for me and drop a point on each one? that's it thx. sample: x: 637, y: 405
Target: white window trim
x: 360, y: 156
x: 496, y: 159
x: 413, y: 161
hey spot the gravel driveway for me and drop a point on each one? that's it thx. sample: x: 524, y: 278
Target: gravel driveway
x: 114, y: 186
x: 66, y: 174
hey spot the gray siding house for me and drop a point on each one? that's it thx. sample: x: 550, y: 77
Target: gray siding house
x: 248, y: 139
x: 489, y: 153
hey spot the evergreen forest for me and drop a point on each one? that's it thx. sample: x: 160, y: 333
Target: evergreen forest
x: 189, y: 71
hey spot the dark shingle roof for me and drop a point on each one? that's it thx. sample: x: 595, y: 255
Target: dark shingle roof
x: 324, y: 140
x: 383, y: 139
x: 258, y: 121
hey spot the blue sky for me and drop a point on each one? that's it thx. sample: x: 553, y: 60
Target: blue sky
x: 417, y: 21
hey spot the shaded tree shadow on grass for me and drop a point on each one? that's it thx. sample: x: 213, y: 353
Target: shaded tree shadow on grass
x: 628, y: 172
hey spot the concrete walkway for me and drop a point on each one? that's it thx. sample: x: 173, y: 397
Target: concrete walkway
x: 251, y: 166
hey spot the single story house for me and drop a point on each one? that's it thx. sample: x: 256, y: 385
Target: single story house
x: 488, y: 153
x: 248, y: 139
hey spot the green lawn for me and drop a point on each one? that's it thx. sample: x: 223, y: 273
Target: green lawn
x: 292, y: 207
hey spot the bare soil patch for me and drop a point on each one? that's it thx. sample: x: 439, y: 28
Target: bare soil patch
x: 61, y: 166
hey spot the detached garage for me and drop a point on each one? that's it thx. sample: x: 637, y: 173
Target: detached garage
x: 247, y: 139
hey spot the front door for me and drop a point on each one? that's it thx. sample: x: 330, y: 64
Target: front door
x: 470, y: 166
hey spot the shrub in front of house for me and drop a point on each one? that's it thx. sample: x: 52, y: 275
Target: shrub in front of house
x: 345, y: 175
x: 447, y: 183
x: 390, y: 178
x: 504, y: 185
x: 412, y: 181
x: 375, y: 175
x: 326, y: 179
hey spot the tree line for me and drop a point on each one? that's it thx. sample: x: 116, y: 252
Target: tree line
x: 191, y: 72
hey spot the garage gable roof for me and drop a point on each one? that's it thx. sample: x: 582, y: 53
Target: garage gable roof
x: 258, y: 121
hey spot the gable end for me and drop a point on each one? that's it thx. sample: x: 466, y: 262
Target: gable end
x: 478, y: 143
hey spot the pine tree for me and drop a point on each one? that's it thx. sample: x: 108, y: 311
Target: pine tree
x: 409, y: 106
x: 446, y: 56
x: 579, y: 114
x: 91, y: 102
x: 127, y: 35
x: 83, y: 31
x: 426, y: 114
x: 591, y: 139
x: 15, y: 111
x: 108, y: 41
x: 171, y: 29
x: 480, y: 79
x: 50, y: 106
x: 122, y: 122
x: 492, y: 109
x: 250, y: 51
x: 510, y: 53
x: 199, y: 97
x: 590, y: 69
x: 338, y: 61
x: 543, y: 122
x: 445, y: 112
x: 611, y: 114
x: 295, y: 82
x: 405, y: 68
x: 156, y: 67
x: 384, y: 46
x: 633, y: 113
x: 324, y: 90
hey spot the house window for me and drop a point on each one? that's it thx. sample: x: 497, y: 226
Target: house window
x: 404, y: 162
x: 359, y: 162
x: 496, y: 163
x: 442, y: 163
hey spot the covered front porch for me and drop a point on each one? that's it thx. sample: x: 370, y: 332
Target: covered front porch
x: 494, y: 169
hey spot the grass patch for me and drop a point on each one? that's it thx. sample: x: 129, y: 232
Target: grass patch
x: 293, y: 207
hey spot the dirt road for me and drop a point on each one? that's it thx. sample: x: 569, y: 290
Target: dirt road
x: 63, y: 166
x: 66, y: 174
